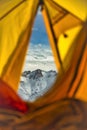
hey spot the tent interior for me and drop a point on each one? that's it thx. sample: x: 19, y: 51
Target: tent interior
x: 66, y: 27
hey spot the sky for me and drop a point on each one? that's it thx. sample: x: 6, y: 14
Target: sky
x: 39, y: 55
x: 39, y: 34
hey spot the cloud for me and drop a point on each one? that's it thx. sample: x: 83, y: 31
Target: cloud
x: 39, y: 12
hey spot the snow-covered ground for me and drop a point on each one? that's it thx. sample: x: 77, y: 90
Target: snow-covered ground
x: 39, y: 57
x: 39, y: 73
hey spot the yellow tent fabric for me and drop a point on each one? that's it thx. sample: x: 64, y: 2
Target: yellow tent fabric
x: 16, y: 19
x: 72, y: 84
x: 67, y: 31
x: 60, y: 24
x: 63, y: 24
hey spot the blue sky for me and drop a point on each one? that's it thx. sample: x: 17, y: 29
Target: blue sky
x: 39, y: 35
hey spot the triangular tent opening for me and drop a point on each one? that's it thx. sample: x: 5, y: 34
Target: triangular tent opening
x: 39, y: 45
x: 39, y: 69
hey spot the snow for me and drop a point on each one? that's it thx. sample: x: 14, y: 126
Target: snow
x: 35, y: 83
x: 39, y: 56
x: 38, y: 75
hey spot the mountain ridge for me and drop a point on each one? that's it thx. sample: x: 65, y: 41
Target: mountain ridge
x: 35, y: 83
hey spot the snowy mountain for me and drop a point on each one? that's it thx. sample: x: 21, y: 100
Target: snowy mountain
x: 34, y: 84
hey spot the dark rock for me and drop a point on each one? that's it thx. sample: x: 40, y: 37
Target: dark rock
x: 51, y: 73
x: 36, y: 74
x: 26, y: 73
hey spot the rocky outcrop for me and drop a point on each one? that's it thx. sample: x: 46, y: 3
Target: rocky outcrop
x: 35, y: 83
